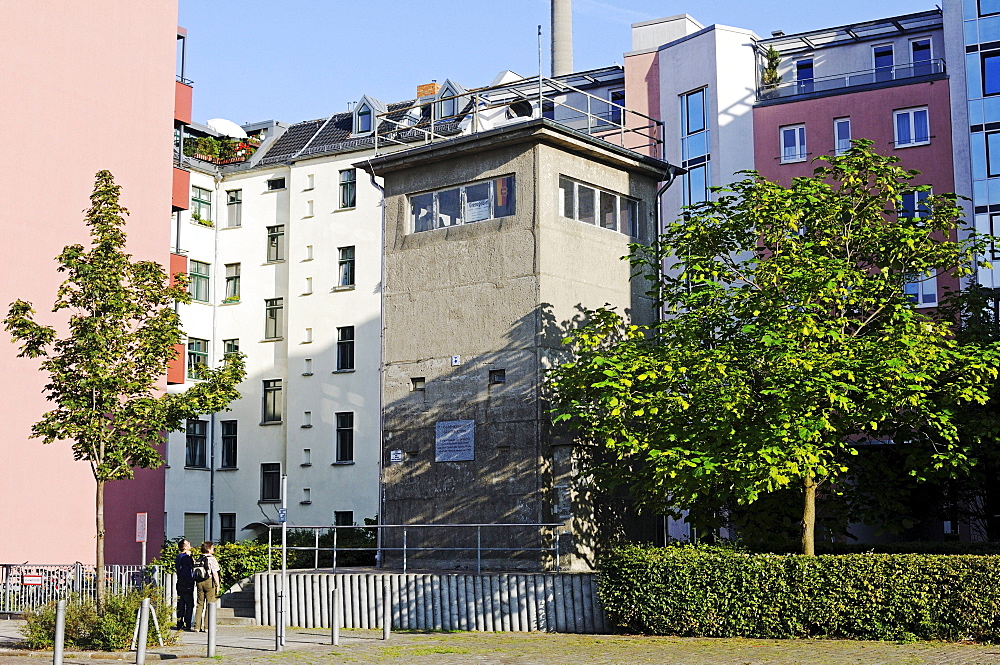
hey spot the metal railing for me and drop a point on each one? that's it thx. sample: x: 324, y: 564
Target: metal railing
x: 851, y: 79
x: 27, y: 586
x: 541, y: 547
x: 537, y: 97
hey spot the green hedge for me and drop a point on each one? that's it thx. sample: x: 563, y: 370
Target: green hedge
x: 716, y: 592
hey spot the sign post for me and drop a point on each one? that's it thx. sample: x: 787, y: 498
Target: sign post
x: 140, y: 533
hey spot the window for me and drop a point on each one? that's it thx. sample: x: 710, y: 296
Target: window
x: 201, y: 204
x: 348, y: 189
x: 232, y: 282
x: 693, y: 112
x: 793, y: 144
x: 275, y: 184
x: 309, y: 209
x: 345, y: 348
x: 363, y: 120
x: 988, y: 7
x: 306, y: 496
x: 306, y: 457
x: 198, y: 286
x: 194, y: 450
x: 229, y: 441
x: 922, y: 291
x: 991, y: 73
x: 197, y: 358
x: 804, y: 75
x: 920, y: 56
x: 234, y: 208
x: 498, y: 376
x: 345, y: 266
x: 345, y: 437
x: 273, y: 324
x: 307, y: 338
x: 913, y: 204
x: 588, y: 204
x: 617, y: 98
x: 696, y: 182
x: 307, y: 367
x: 882, y: 60
x: 230, y: 346
x: 272, y: 401
x: 227, y: 527
x: 270, y: 482
x: 911, y: 127
x: 447, y: 107
x: 418, y: 383
x: 307, y: 419
x: 308, y: 287
x: 993, y: 154
x: 489, y: 199
x: 343, y: 518
x: 842, y: 135
x: 275, y: 243
x: 310, y: 180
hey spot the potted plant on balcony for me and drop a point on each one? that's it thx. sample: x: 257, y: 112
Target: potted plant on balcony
x: 770, y: 78
x: 198, y: 219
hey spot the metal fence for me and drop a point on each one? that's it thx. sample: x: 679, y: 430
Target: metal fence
x: 534, y: 547
x: 27, y: 586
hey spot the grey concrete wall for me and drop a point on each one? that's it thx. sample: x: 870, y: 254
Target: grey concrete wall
x: 498, y: 294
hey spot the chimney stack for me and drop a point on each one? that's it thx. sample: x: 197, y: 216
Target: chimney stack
x: 562, y: 37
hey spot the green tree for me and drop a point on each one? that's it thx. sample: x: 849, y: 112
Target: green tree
x: 788, y: 341
x: 770, y: 78
x: 104, y: 374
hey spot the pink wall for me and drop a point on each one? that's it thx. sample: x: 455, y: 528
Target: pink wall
x: 90, y: 86
x: 871, y: 118
x: 642, y: 94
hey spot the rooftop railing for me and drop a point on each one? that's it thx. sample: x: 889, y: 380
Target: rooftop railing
x: 851, y: 79
x: 537, y: 97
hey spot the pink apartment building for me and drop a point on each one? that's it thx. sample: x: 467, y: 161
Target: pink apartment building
x: 89, y: 86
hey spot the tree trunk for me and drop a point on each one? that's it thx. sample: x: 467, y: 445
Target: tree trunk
x: 101, y: 580
x: 809, y: 518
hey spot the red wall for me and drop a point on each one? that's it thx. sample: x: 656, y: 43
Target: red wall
x: 871, y: 118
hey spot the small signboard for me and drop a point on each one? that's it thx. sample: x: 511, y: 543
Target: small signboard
x: 395, y: 457
x: 455, y: 441
x: 282, y: 514
x: 31, y: 580
x: 476, y: 211
x: 140, y: 527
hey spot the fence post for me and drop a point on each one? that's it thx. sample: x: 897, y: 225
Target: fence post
x: 141, y: 639
x: 335, y: 549
x: 60, y: 637
x: 479, y: 550
x: 335, y: 613
x: 404, y: 535
x: 268, y: 549
x: 6, y: 587
x: 212, y: 610
x: 557, y: 550
x: 316, y: 550
x: 386, y: 607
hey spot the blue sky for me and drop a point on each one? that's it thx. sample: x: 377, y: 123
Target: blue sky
x: 300, y: 59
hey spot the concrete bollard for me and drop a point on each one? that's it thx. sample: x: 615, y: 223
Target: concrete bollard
x: 60, y: 637
x: 143, y: 637
x: 335, y: 615
x: 386, y: 608
x: 213, y: 609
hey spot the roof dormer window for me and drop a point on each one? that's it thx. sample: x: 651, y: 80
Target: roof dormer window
x: 448, y: 108
x: 363, y: 119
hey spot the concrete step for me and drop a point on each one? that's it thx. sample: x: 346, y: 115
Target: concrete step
x: 229, y: 616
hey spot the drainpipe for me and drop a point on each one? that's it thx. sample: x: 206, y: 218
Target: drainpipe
x: 381, y: 374
x: 215, y: 311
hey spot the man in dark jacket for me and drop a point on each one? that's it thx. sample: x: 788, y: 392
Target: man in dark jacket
x: 184, y: 567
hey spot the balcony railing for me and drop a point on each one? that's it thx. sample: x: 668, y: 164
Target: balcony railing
x: 851, y: 80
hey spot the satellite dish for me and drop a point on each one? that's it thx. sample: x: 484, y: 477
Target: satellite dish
x: 227, y: 128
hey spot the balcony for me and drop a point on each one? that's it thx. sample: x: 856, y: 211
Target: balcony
x: 220, y: 151
x: 842, y: 82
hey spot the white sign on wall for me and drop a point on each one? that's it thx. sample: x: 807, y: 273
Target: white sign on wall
x: 476, y: 211
x: 455, y: 441
x: 395, y: 457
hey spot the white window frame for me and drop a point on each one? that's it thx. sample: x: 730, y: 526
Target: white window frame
x: 923, y: 291
x: 357, y: 120
x: 800, y: 143
x: 892, y: 67
x: 913, y: 41
x: 632, y: 205
x: 910, y: 112
x: 839, y: 149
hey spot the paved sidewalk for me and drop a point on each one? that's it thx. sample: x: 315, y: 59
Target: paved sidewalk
x: 255, y: 646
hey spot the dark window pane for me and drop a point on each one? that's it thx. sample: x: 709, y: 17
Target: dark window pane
x: 804, y: 75
x: 991, y: 73
x: 609, y: 218
x: 586, y: 202
x: 567, y: 199
x: 422, y: 208
x: 694, y: 112
x: 449, y: 205
x: 883, y: 62
x: 987, y: 7
x: 503, y: 197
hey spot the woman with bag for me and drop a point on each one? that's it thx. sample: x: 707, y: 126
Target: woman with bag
x: 206, y: 576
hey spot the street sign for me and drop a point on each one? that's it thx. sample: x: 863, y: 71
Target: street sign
x: 31, y: 580
x: 140, y: 527
x: 282, y: 514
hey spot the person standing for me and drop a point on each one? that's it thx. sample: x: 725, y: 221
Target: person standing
x: 184, y: 567
x: 208, y: 580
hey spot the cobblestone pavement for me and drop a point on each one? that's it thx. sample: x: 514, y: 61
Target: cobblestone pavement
x: 255, y: 646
